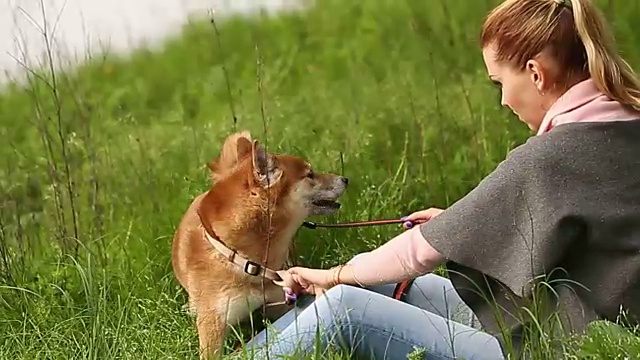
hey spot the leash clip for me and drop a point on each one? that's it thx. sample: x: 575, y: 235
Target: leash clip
x: 309, y: 225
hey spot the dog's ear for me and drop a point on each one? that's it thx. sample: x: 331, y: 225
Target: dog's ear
x: 265, y: 166
x: 244, y: 147
x: 234, y: 149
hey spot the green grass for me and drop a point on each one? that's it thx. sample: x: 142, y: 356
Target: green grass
x: 95, y: 176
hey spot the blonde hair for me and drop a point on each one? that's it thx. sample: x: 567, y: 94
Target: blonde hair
x: 573, y: 32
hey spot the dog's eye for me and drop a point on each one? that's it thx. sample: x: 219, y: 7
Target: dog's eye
x: 310, y: 174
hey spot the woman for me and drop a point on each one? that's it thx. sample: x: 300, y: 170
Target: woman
x: 563, y: 208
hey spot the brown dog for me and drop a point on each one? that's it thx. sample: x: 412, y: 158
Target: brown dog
x: 235, y: 236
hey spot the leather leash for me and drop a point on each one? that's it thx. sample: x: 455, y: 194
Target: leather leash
x: 400, y: 291
x: 312, y: 225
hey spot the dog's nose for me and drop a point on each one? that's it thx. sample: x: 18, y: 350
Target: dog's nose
x: 345, y: 180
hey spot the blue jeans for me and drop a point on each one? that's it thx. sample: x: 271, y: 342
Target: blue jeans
x: 432, y: 323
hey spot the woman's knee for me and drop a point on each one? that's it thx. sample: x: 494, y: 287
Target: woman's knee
x: 432, y: 283
x: 332, y: 311
x: 343, y: 296
x: 339, y: 303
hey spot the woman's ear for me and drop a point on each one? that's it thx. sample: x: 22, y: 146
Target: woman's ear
x: 537, y: 75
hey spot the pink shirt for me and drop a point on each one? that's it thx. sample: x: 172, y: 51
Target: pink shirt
x: 584, y: 102
x: 406, y: 255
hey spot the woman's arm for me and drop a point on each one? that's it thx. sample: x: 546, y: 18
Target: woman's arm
x: 404, y: 257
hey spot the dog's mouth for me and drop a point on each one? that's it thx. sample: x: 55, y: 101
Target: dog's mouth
x: 326, y: 203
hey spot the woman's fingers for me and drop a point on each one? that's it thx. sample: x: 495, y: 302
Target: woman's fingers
x: 317, y: 277
x: 420, y: 217
x: 287, y: 279
x: 319, y: 292
x: 407, y: 224
x: 289, y: 284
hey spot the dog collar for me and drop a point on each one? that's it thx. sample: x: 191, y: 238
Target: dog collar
x: 248, y: 267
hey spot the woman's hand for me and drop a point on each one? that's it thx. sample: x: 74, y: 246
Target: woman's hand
x: 301, y: 280
x: 420, y: 217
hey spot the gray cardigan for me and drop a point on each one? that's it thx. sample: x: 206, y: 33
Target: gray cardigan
x: 557, y: 221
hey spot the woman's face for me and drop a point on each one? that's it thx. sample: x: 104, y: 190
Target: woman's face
x: 522, y: 91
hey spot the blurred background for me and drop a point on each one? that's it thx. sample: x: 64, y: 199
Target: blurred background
x: 77, y: 28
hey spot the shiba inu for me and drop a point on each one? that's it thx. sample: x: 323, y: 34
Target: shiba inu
x: 235, y: 236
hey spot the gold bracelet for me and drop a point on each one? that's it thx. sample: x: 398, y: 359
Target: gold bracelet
x: 336, y: 275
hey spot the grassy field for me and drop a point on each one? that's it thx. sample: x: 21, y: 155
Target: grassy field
x: 100, y: 163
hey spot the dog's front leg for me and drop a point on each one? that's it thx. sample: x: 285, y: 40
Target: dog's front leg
x: 211, y: 334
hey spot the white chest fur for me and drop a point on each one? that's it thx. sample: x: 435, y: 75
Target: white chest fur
x: 237, y: 307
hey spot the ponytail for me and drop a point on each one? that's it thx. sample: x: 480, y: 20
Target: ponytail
x: 610, y: 72
x: 574, y: 32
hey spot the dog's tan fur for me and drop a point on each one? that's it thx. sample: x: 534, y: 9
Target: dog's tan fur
x: 255, y: 205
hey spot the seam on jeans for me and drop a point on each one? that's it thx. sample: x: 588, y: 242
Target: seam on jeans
x: 339, y: 320
x: 342, y: 322
x: 391, y: 335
